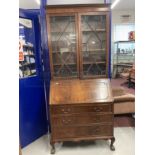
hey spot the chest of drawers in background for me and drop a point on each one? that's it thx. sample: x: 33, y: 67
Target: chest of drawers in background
x: 81, y: 110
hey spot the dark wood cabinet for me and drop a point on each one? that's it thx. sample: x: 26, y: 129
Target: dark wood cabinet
x: 78, y: 39
x: 81, y: 110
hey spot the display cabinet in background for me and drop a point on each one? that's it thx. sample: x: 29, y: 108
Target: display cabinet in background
x: 123, y: 56
x: 78, y: 38
x: 27, y: 64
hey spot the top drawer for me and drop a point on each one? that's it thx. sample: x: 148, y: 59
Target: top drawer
x: 71, y: 109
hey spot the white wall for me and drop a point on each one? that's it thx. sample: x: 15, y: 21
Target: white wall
x: 116, y: 16
x: 28, y: 4
x: 116, y: 19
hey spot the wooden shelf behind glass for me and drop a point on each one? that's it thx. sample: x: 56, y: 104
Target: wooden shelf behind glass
x: 59, y: 64
x: 94, y: 50
x: 96, y: 30
x: 92, y: 62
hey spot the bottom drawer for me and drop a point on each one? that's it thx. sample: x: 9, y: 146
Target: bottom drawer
x: 82, y: 131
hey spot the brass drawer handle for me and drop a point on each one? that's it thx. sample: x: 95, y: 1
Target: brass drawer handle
x: 98, y: 109
x: 97, y: 119
x: 66, y: 121
x: 95, y: 131
x: 66, y: 110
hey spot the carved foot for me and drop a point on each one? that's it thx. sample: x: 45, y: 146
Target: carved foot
x: 112, y: 148
x: 52, y: 149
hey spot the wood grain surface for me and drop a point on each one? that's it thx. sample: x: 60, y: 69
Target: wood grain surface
x: 80, y: 91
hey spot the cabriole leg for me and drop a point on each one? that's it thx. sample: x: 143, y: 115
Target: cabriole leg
x: 112, y: 148
x: 52, y: 148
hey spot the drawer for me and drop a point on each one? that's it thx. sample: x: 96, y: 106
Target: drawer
x: 83, y: 131
x: 83, y: 119
x: 71, y: 109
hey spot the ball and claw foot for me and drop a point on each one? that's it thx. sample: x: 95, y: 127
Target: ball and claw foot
x: 112, y: 148
x: 53, y: 149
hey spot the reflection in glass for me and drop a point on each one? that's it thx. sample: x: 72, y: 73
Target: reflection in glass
x: 94, y: 44
x: 63, y: 39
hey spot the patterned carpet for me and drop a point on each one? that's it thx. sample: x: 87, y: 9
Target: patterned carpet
x: 124, y: 121
x: 121, y: 83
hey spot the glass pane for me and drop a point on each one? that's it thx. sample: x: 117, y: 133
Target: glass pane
x: 63, y: 42
x: 27, y: 66
x: 94, y: 44
x: 124, y: 52
x: 94, y: 69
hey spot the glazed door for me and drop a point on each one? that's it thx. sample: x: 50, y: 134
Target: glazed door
x: 63, y: 45
x: 94, y: 31
x: 32, y: 106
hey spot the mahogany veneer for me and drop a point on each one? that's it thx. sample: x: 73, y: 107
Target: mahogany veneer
x: 81, y: 110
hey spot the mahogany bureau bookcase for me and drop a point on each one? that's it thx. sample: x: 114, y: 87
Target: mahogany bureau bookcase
x: 81, y: 110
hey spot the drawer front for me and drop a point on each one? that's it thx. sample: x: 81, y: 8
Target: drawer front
x: 84, y: 131
x: 82, y: 119
x: 71, y: 109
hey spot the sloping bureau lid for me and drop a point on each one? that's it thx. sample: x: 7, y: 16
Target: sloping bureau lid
x: 80, y: 91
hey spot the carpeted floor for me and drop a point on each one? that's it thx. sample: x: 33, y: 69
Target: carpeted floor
x: 124, y: 121
x: 121, y: 83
